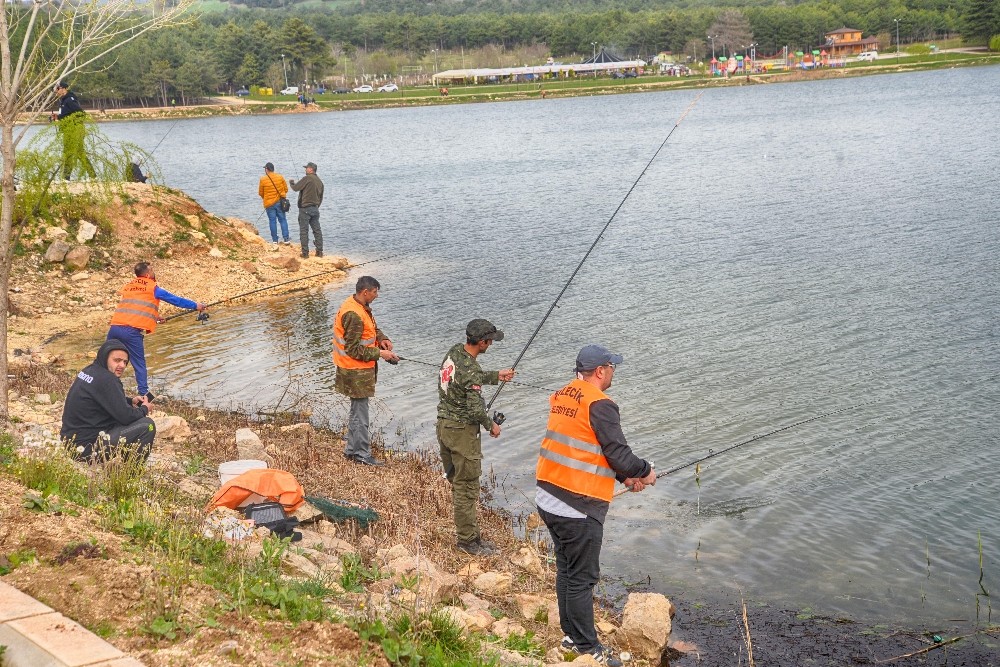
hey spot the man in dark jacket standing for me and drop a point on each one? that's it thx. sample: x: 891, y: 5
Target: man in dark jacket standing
x: 583, y: 452
x: 98, y: 419
x: 72, y: 126
x: 310, y: 190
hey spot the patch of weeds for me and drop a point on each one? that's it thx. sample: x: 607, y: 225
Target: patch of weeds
x: 75, y: 550
x: 541, y: 615
x: 356, y: 574
x: 804, y: 614
x: 16, y: 559
x: 524, y: 644
x: 162, y: 628
x: 423, y: 640
x: 194, y: 465
x: 136, y: 223
x: 44, y: 502
x: 180, y: 219
x: 52, y: 471
x: 121, y: 477
x: 104, y: 629
x: 180, y: 237
x: 6, y: 448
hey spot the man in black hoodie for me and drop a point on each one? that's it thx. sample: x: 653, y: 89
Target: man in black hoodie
x: 98, y: 418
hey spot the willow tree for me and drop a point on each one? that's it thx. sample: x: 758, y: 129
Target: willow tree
x: 41, y: 43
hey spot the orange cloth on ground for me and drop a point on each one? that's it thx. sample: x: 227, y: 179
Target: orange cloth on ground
x: 274, y: 485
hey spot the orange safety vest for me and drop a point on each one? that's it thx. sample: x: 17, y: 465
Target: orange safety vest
x: 138, y: 307
x: 571, y: 457
x: 368, y: 336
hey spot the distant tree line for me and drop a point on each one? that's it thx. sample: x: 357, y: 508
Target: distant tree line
x: 244, y: 47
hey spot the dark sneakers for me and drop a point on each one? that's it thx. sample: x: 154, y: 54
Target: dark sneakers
x: 365, y: 460
x: 479, y: 547
x: 605, y: 656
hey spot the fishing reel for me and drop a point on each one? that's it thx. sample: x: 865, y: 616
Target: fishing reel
x: 203, y: 316
x: 499, y: 417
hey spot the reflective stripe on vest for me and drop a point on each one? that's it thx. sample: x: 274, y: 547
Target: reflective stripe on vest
x: 368, y: 335
x: 138, y: 307
x: 570, y: 455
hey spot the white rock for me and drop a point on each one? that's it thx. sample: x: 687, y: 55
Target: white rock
x: 215, y: 252
x: 55, y: 233
x: 171, y: 426
x: 646, y: 624
x: 493, y: 583
x: 86, y: 231
x: 249, y: 446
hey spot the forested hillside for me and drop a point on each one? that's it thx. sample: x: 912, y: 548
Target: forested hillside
x: 313, y: 40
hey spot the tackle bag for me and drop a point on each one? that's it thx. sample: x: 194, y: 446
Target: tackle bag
x: 285, y: 205
x: 272, y: 516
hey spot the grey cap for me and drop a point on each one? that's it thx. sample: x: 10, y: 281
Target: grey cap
x: 480, y: 329
x: 310, y: 165
x: 594, y: 356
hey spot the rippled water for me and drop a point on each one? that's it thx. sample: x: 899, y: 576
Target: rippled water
x: 795, y: 249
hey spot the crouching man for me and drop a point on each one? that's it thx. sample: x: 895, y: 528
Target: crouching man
x: 99, y: 420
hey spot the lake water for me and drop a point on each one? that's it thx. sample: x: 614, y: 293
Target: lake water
x: 795, y: 249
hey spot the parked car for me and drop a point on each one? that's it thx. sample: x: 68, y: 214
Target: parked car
x: 364, y: 89
x: 388, y: 88
x: 242, y: 92
x: 341, y: 91
x: 291, y: 90
x: 320, y: 90
x: 868, y: 55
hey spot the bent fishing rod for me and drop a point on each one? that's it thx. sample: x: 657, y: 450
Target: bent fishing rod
x: 592, y: 246
x: 712, y: 454
x: 204, y: 316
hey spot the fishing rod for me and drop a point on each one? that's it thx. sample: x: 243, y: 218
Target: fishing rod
x: 712, y: 454
x: 438, y: 366
x: 202, y: 316
x: 592, y: 246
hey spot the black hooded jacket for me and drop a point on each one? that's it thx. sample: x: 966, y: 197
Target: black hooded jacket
x: 96, y: 402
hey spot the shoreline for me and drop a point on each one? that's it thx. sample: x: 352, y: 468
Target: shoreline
x: 427, y: 96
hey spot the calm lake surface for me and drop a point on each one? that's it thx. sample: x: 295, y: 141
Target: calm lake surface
x: 795, y: 249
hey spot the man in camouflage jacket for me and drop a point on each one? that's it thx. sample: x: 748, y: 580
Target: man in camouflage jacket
x: 358, y: 384
x: 461, y: 413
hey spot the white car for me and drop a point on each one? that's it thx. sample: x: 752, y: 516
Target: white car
x: 291, y: 90
x: 868, y: 55
x: 363, y: 89
x: 388, y: 88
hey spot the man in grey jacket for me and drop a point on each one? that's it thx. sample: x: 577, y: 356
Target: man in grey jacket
x: 310, y: 190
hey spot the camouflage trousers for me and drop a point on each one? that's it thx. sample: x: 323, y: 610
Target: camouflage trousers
x: 462, y: 457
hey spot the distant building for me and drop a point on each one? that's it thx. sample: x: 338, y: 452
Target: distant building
x: 848, y: 42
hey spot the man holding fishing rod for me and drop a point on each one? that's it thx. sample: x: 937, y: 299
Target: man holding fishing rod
x: 583, y: 452
x: 137, y: 314
x: 358, y: 344
x: 461, y: 413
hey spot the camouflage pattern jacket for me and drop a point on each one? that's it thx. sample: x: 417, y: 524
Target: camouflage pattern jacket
x: 358, y: 383
x: 460, y: 383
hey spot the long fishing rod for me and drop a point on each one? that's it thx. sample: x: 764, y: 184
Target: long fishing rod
x: 593, y: 245
x: 287, y: 282
x: 438, y: 366
x: 712, y: 454
x: 169, y: 130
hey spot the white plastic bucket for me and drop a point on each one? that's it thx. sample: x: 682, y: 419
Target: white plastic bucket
x: 231, y: 469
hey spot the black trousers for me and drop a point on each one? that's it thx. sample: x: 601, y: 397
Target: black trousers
x: 136, y: 437
x: 578, y: 569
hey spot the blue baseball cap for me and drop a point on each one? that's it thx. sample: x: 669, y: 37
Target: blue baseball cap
x: 593, y: 356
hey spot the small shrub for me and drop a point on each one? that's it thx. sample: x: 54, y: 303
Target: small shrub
x: 918, y: 49
x: 15, y: 559
x: 995, y: 43
x: 356, y: 574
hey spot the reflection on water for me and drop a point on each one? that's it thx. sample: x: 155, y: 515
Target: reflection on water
x: 785, y: 256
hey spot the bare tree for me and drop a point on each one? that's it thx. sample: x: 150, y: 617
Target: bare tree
x: 41, y: 43
x: 732, y: 31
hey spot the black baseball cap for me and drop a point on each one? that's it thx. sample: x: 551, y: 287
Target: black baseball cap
x: 480, y: 329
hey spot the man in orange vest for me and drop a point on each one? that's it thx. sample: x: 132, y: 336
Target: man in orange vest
x: 137, y: 314
x: 358, y: 344
x: 582, y: 454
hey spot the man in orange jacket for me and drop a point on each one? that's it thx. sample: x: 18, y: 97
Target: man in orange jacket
x: 583, y: 452
x: 272, y: 189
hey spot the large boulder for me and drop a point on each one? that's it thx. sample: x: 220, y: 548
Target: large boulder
x: 56, y: 251
x: 527, y: 559
x: 493, y: 583
x: 171, y: 426
x: 249, y: 446
x: 646, y: 624
x: 55, y: 233
x: 77, y: 258
x: 433, y: 584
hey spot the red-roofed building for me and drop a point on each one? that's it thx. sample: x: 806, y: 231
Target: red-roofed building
x: 848, y: 42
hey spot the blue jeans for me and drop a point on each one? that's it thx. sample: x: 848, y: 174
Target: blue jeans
x: 132, y: 339
x: 275, y: 214
x: 577, y: 545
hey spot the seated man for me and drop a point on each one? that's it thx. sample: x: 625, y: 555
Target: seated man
x: 98, y: 417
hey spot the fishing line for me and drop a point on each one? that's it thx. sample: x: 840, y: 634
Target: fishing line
x: 594, y: 245
x: 712, y: 454
x: 438, y: 366
x: 287, y: 282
